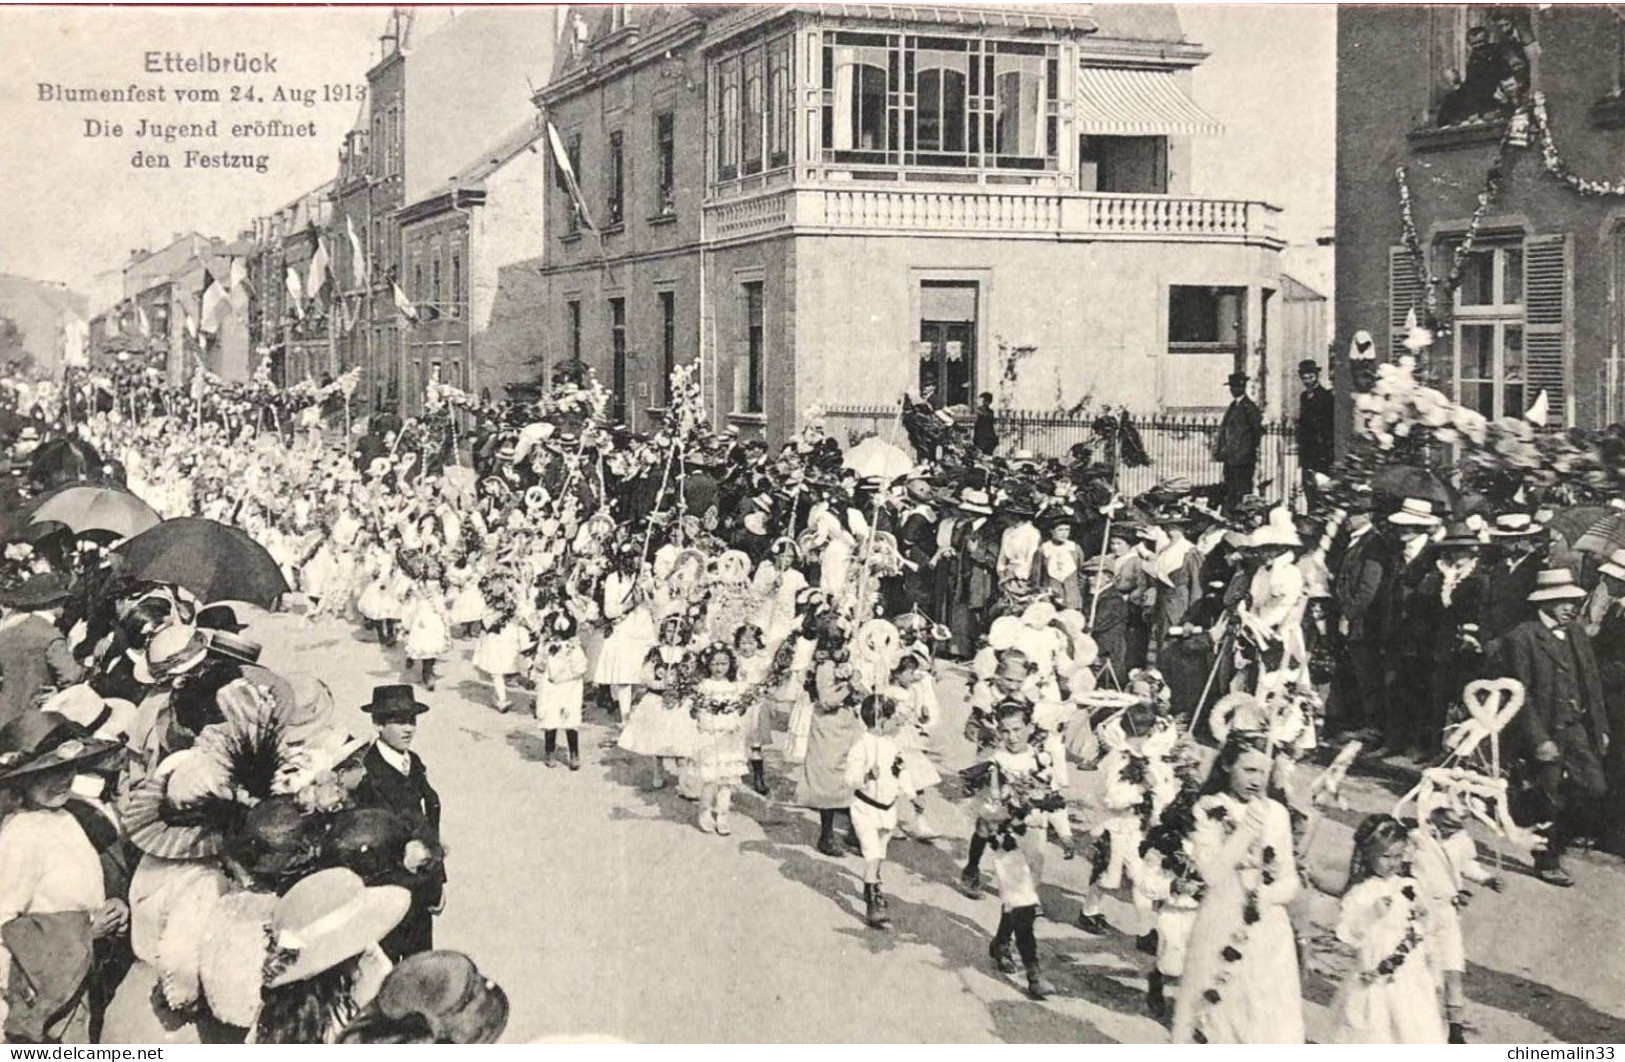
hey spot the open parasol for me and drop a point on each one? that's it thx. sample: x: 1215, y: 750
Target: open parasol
x: 875, y: 458
x: 87, y: 508
x: 213, y: 561
x: 1595, y: 529
x: 1411, y: 481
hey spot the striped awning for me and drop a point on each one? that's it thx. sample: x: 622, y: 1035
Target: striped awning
x: 1116, y: 102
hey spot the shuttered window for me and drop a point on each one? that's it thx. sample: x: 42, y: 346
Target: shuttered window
x: 1548, y: 265
x: 1405, y: 293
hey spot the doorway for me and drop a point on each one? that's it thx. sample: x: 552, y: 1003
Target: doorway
x: 948, y: 342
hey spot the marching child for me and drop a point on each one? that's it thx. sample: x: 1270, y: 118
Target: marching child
x: 661, y: 726
x: 1446, y: 860
x: 1022, y: 791
x: 916, y: 710
x: 874, y: 768
x: 560, y: 671
x: 497, y: 654
x: 719, y: 748
x: 750, y: 646
x: 427, y: 635
x: 1390, y: 996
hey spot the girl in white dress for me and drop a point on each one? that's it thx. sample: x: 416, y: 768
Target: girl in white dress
x: 620, y: 663
x: 719, y: 751
x: 1446, y: 862
x: 560, y: 671
x: 1241, y: 966
x: 661, y: 727
x: 754, y: 664
x: 916, y: 717
x: 1390, y: 996
x: 379, y: 604
x: 468, y: 605
x: 497, y: 654
x: 427, y: 634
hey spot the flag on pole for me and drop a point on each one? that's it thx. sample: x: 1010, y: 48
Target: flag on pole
x: 319, y: 263
x: 358, y: 258
x: 216, y: 306
x: 567, y: 172
x: 296, y: 293
x: 1539, y: 414
x: 141, y: 321
x: 404, y: 305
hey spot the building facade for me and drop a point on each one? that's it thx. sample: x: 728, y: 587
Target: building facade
x: 1449, y: 94
x: 937, y: 199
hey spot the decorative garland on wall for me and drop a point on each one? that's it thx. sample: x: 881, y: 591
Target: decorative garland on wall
x: 1413, y: 240
x: 1556, y: 166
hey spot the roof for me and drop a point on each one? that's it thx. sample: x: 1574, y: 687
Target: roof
x: 1293, y: 290
x: 600, y: 22
x: 472, y: 175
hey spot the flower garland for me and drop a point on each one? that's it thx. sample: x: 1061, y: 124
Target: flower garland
x: 1261, y: 862
x: 1557, y: 167
x: 1413, y: 240
x: 1389, y: 966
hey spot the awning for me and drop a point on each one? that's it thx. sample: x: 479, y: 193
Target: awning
x: 1114, y: 102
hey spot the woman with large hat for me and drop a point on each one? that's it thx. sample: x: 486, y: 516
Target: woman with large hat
x: 52, y: 902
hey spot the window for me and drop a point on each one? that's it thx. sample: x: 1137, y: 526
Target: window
x: 418, y: 293
x: 1130, y: 164
x: 456, y: 284
x: 435, y: 299
x: 668, y: 344
x: 749, y: 383
x: 754, y: 109
x: 947, y: 348
x: 617, y: 346
x: 1204, y: 320
x: 939, y: 101
x: 572, y: 206
x: 665, y: 164
x: 1481, y: 66
x: 572, y: 329
x: 615, y: 181
x: 1491, y: 371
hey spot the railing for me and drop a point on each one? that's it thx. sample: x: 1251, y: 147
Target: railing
x: 983, y: 211
x: 1179, y: 447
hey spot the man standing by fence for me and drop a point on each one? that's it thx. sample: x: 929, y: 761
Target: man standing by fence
x: 1235, y: 444
x: 1315, y: 416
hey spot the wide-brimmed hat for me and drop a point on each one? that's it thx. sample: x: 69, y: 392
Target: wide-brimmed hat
x: 326, y: 919
x: 37, y: 591
x: 1614, y: 565
x: 1464, y: 535
x: 1278, y: 531
x: 1414, y: 512
x: 224, y: 643
x: 444, y: 989
x: 39, y: 741
x: 275, y: 839
x: 1515, y: 525
x: 174, y: 650
x: 975, y: 501
x: 1555, y: 584
x: 220, y: 618
x: 105, y: 717
x: 394, y: 703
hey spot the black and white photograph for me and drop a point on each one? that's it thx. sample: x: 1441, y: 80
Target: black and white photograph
x: 813, y: 523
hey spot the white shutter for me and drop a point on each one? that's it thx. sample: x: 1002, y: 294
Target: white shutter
x: 1405, y: 293
x: 1547, y: 337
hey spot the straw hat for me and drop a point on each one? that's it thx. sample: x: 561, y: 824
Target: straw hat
x: 40, y: 741
x: 1515, y: 525
x: 1614, y: 565
x: 1279, y: 531
x: 975, y: 501
x: 329, y: 918
x: 175, y: 650
x: 110, y: 717
x: 1555, y: 584
x: 1414, y: 512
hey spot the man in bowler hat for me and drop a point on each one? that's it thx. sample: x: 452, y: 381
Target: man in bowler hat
x: 396, y: 781
x: 1316, y: 416
x: 1235, y: 444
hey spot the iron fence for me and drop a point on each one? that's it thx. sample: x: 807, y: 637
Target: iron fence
x: 1179, y: 446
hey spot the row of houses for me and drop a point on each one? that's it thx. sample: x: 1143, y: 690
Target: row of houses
x: 820, y: 204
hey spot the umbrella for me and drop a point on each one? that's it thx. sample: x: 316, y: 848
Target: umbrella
x: 1410, y: 481
x: 96, y: 509
x: 213, y: 561
x: 875, y: 458
x: 1598, y: 529
x: 63, y: 460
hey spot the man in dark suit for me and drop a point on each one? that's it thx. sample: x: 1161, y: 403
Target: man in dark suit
x: 396, y: 781
x: 34, y: 655
x: 985, y: 432
x: 1517, y: 539
x: 1316, y: 449
x: 1235, y: 444
x: 1406, y: 647
x: 1357, y: 586
x: 1561, y: 735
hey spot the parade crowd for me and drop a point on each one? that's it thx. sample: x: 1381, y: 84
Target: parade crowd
x: 744, y: 616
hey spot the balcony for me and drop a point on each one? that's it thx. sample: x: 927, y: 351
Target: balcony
x: 986, y: 213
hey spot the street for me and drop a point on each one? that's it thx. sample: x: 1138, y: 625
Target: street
x: 602, y: 910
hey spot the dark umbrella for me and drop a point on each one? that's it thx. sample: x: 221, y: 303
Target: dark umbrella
x: 1410, y: 481
x: 65, y: 459
x: 213, y: 561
